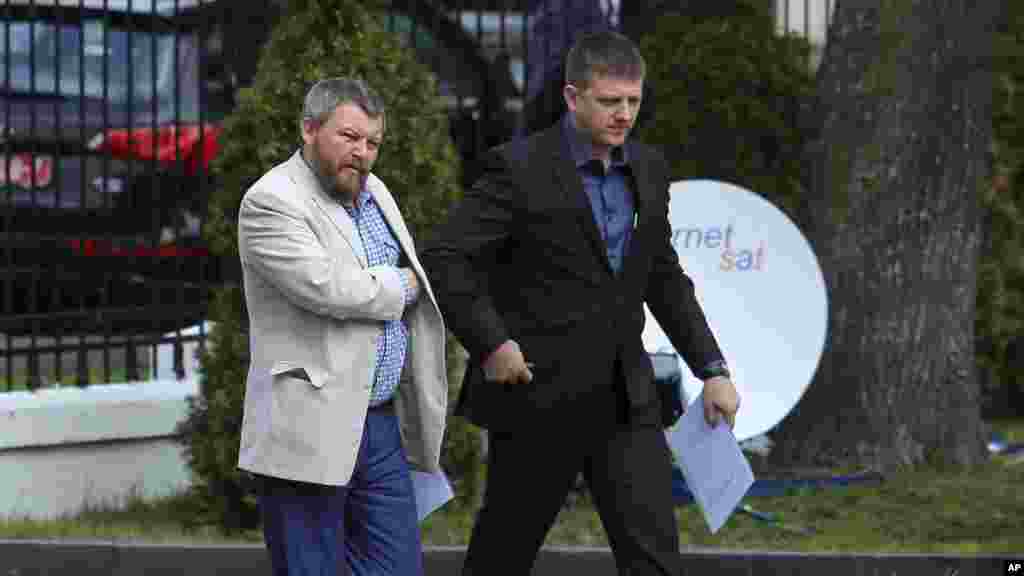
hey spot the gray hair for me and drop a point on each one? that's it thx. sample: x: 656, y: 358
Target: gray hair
x: 326, y: 95
x: 605, y: 53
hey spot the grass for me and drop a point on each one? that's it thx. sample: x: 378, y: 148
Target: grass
x: 924, y: 511
x: 137, y: 519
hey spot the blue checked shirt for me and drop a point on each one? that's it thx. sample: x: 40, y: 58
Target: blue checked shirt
x: 382, y: 249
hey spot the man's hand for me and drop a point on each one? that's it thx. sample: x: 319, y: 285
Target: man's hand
x: 506, y: 365
x: 720, y: 401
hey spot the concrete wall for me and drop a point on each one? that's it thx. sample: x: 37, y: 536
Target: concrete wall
x: 65, y: 448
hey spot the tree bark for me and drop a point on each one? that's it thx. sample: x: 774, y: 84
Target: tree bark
x: 900, y: 152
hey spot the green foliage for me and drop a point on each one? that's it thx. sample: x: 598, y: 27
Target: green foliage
x: 1000, y: 301
x: 314, y: 39
x: 462, y: 455
x: 211, y: 432
x: 728, y: 93
x: 318, y: 39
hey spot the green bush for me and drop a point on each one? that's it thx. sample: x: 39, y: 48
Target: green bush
x: 314, y: 39
x: 727, y: 94
x: 1000, y: 300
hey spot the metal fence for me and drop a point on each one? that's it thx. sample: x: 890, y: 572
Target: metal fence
x: 110, y: 112
x: 108, y: 116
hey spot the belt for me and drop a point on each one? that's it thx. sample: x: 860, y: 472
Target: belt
x: 387, y: 406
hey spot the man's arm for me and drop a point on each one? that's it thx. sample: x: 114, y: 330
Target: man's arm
x: 671, y: 298
x: 478, y: 225
x: 278, y: 244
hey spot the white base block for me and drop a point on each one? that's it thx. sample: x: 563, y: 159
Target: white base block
x: 66, y: 448
x: 60, y: 481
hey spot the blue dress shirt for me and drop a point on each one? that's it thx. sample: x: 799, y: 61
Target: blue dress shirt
x: 611, y: 200
x: 609, y: 192
x: 382, y: 249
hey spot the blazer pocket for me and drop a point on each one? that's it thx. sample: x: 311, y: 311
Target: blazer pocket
x: 298, y: 409
x: 294, y: 370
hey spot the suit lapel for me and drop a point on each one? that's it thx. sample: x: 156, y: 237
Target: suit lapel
x: 642, y: 185
x: 572, y: 188
x: 394, y: 220
x: 303, y: 176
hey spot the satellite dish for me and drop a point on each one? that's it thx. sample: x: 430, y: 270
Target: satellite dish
x: 763, y: 293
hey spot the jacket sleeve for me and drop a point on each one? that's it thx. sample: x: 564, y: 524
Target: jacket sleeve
x: 670, y: 292
x: 277, y: 243
x: 454, y: 257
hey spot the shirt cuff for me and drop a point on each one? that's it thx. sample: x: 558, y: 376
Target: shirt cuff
x: 713, y: 369
x: 411, y: 293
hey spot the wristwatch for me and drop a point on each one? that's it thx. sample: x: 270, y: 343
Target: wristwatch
x: 714, y: 369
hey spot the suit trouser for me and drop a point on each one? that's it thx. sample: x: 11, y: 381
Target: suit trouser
x: 367, y: 528
x: 628, y: 472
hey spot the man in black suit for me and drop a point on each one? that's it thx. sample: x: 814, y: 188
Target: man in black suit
x: 541, y: 273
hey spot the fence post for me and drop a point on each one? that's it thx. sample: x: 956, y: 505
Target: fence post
x: 131, y: 362
x: 179, y: 358
x: 35, y: 380
x: 82, y: 364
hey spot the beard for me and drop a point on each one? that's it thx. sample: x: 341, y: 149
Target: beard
x: 340, y: 182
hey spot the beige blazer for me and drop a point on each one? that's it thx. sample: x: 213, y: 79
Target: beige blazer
x: 315, y: 311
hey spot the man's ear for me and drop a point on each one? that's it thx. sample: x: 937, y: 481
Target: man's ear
x: 570, y: 93
x: 309, y: 127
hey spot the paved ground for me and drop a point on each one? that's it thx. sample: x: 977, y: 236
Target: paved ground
x: 123, y: 559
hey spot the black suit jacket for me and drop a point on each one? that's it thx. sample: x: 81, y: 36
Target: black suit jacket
x: 521, y: 258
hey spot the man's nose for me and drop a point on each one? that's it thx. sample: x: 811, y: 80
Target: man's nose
x: 359, y: 149
x: 625, y: 111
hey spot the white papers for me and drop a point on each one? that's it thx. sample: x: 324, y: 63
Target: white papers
x: 432, y: 491
x: 715, y: 469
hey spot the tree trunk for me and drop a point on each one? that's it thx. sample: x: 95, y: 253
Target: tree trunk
x: 893, y: 173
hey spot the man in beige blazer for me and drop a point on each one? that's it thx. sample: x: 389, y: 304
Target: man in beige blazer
x: 347, y: 388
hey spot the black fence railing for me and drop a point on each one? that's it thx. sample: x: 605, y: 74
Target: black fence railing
x: 110, y: 112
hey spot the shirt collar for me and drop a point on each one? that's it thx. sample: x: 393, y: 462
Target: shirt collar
x: 362, y: 199
x: 582, y: 150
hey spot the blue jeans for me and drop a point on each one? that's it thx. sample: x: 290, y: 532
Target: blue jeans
x: 367, y: 528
